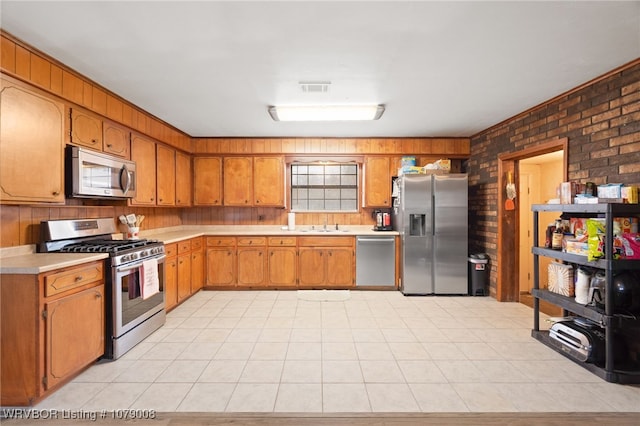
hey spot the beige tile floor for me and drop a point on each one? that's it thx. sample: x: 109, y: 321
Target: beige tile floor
x: 375, y: 352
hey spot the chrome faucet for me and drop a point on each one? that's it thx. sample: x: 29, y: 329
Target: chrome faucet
x: 325, y: 223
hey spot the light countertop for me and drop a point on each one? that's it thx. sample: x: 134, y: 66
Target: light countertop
x: 24, y: 259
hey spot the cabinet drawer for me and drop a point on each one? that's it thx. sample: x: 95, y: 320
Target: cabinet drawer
x: 252, y: 241
x: 184, y: 246
x: 196, y: 244
x: 171, y: 250
x: 69, y: 279
x: 221, y: 241
x: 325, y: 241
x: 282, y: 241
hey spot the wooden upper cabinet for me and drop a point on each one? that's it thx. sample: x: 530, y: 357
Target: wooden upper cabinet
x: 143, y: 152
x: 377, y: 182
x: 207, y: 184
x: 86, y: 129
x: 238, y: 181
x: 268, y: 181
x: 183, y: 179
x: 31, y: 139
x: 116, y: 139
x: 166, y: 175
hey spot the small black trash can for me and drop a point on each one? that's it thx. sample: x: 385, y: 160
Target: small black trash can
x: 478, y: 274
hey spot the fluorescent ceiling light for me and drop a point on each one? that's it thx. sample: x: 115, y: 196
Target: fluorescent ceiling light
x: 326, y: 112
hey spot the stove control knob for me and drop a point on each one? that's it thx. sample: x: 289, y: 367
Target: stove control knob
x: 134, y: 256
x: 144, y: 253
x: 124, y: 258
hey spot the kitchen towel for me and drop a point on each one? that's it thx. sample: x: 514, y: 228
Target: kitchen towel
x: 291, y: 221
x: 149, y: 279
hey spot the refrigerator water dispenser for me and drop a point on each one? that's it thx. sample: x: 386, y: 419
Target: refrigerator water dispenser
x: 418, y: 225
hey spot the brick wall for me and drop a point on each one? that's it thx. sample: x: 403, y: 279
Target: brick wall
x: 602, y: 123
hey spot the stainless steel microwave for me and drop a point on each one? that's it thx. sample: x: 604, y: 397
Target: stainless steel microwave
x: 92, y: 174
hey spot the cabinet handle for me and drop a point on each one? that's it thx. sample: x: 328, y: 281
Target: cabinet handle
x: 94, y: 140
x: 109, y: 145
x: 79, y: 278
x: 250, y: 242
x: 281, y: 242
x: 260, y: 253
x: 98, y: 295
x: 55, y: 193
x: 228, y: 253
x: 257, y: 201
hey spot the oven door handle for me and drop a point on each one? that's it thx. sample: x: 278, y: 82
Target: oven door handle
x: 125, y: 179
x: 137, y: 264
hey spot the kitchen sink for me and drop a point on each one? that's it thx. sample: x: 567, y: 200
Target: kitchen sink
x: 328, y: 230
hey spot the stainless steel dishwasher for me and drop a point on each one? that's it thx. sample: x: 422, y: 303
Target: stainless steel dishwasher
x: 376, y: 260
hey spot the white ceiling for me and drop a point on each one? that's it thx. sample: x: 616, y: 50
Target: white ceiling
x: 211, y: 68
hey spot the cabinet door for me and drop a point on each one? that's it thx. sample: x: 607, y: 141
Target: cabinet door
x: 207, y: 185
x: 238, y: 181
x: 268, y: 181
x: 311, y: 267
x: 74, y: 333
x: 377, y: 185
x: 183, y: 179
x: 166, y: 175
x: 171, y: 283
x: 143, y: 152
x: 340, y: 267
x: 184, y: 276
x: 31, y: 145
x: 252, y: 266
x: 86, y: 129
x: 221, y: 264
x: 116, y: 140
x: 282, y: 266
x: 197, y: 271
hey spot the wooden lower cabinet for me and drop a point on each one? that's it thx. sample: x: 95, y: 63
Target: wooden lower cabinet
x: 326, y: 262
x: 197, y: 265
x: 74, y: 334
x: 252, y: 261
x: 280, y: 262
x: 184, y: 276
x: 184, y: 270
x: 221, y: 261
x: 282, y: 267
x: 52, y: 327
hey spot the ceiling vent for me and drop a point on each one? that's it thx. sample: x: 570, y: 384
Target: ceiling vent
x: 315, y: 86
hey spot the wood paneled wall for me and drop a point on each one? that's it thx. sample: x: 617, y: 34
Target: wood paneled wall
x: 21, y: 224
x: 446, y: 147
x: 22, y: 61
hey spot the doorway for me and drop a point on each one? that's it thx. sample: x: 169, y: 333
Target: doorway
x: 514, y: 271
x: 538, y: 178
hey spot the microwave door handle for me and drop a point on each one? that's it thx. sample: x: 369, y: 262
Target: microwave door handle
x: 125, y: 179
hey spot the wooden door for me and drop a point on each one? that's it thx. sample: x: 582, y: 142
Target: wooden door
x: 340, y: 267
x: 207, y: 185
x: 171, y: 283
x: 238, y: 181
x: 377, y: 184
x: 86, y: 129
x: 75, y: 335
x: 282, y: 266
x: 143, y: 152
x: 184, y: 276
x: 31, y: 145
x: 116, y: 140
x: 252, y: 266
x: 268, y: 181
x: 221, y: 266
x: 311, y: 267
x: 183, y: 179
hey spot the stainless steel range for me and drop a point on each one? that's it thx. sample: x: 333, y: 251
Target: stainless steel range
x: 131, y: 314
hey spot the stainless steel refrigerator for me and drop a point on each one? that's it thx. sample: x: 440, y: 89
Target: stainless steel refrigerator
x: 430, y: 213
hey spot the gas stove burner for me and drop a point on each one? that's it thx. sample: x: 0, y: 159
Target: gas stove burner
x: 106, y: 246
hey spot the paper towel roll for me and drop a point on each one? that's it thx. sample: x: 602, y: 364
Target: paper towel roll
x: 291, y: 217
